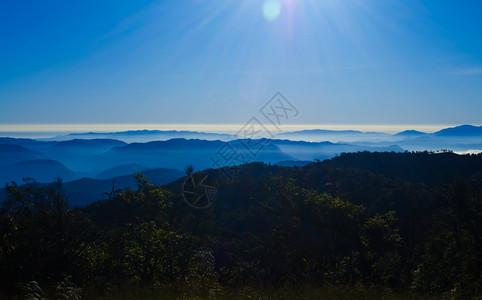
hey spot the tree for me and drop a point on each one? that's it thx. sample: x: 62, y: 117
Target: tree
x: 43, y: 238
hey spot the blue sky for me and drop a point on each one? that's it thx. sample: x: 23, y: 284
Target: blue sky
x: 338, y: 62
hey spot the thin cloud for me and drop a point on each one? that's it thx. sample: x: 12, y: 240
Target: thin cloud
x: 468, y: 71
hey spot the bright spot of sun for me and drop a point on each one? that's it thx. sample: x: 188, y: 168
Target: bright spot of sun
x: 271, y: 9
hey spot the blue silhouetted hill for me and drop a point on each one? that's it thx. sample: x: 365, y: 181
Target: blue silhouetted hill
x: 178, y: 153
x: 460, y: 131
x: 42, y: 170
x: 84, y: 191
x: 120, y: 170
x: 11, y: 153
x: 410, y: 133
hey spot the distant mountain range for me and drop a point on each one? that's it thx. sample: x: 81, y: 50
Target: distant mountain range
x: 410, y: 133
x: 461, y: 131
x: 458, y: 131
x: 11, y: 153
x: 319, y: 135
x: 314, y: 135
x: 142, y: 136
x: 102, y: 159
x: 42, y: 170
x: 460, y: 138
x: 85, y: 190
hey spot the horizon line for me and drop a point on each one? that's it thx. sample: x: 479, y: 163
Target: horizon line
x: 211, y: 128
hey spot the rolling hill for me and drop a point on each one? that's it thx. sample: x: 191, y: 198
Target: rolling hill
x: 83, y: 191
x: 42, y: 170
x: 11, y: 153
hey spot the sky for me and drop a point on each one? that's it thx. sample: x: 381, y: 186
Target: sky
x: 218, y: 62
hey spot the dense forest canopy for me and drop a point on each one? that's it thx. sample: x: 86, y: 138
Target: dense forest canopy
x: 400, y: 222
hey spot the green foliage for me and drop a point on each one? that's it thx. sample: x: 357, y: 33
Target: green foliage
x: 358, y: 223
x: 32, y: 291
x: 42, y: 237
x: 201, y: 278
x: 153, y: 254
x: 452, y: 254
x: 66, y: 290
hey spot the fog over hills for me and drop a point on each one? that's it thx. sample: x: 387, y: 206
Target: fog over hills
x: 101, y: 159
x: 460, y: 131
x: 10, y: 153
x: 120, y: 170
x: 42, y: 170
x: 410, y: 133
x: 85, y: 190
x: 140, y: 136
x: 460, y: 138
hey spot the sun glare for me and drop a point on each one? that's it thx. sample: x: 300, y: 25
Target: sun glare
x: 271, y: 9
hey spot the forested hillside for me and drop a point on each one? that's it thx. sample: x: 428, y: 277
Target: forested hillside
x: 388, y: 222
